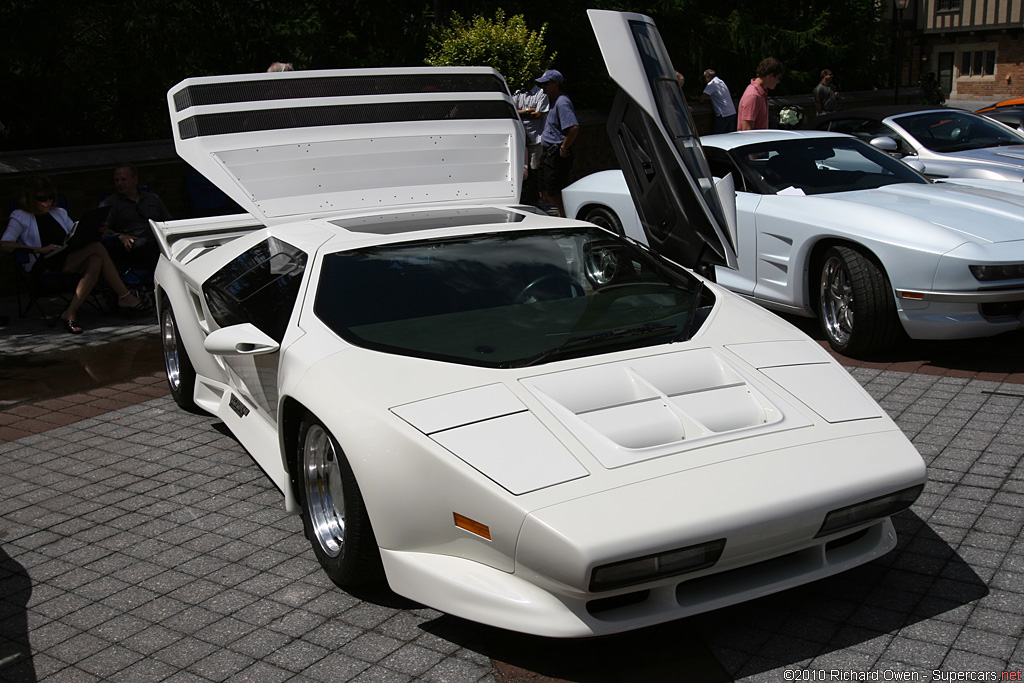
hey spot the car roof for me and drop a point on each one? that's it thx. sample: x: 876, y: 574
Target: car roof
x: 878, y: 112
x: 729, y: 141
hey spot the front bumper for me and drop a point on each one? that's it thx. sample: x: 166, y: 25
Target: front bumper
x: 975, y: 297
x: 768, y: 507
x: 960, y: 315
x: 486, y: 595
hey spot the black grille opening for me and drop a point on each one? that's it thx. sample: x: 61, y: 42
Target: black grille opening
x: 305, y: 117
x: 333, y: 86
x: 1003, y: 309
x: 617, y: 601
x: 837, y: 543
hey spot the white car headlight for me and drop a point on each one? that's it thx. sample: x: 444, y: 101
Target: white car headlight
x: 657, y: 566
x: 876, y: 508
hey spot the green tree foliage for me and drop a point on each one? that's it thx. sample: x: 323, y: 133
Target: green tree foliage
x: 732, y: 36
x: 518, y: 53
x: 81, y: 72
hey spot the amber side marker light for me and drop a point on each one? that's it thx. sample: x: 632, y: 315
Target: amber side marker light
x: 869, y: 510
x: 472, y: 526
x: 916, y: 296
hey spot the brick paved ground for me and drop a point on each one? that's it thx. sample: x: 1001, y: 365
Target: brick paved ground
x: 141, y: 543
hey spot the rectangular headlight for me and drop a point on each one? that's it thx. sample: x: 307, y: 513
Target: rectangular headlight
x: 991, y: 273
x: 876, y: 508
x: 657, y: 566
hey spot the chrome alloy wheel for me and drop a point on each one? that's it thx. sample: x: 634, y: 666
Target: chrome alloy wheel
x: 325, y: 498
x: 169, y: 341
x: 837, y: 300
x: 601, y: 265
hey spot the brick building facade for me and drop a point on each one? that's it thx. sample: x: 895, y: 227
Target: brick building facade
x: 974, y: 47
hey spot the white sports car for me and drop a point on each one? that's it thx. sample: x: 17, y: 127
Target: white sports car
x: 528, y: 422
x: 940, y: 142
x: 830, y: 227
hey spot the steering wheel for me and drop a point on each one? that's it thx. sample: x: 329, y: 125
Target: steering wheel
x: 548, y: 287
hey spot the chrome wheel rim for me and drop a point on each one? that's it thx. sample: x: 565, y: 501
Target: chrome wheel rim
x: 837, y: 301
x: 325, y: 499
x: 601, y: 221
x: 170, y: 346
x: 601, y: 266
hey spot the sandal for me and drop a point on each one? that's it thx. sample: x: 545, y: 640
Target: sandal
x: 142, y: 308
x: 73, y: 327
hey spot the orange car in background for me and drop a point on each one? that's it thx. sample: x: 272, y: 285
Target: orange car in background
x: 1012, y: 102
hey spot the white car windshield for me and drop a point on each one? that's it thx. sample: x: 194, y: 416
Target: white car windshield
x: 952, y: 131
x: 509, y: 299
x: 820, y: 166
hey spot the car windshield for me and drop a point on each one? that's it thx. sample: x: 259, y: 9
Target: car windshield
x: 821, y: 166
x: 509, y: 299
x: 956, y: 131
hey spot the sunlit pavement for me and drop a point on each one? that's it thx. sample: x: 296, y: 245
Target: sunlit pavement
x: 139, y: 542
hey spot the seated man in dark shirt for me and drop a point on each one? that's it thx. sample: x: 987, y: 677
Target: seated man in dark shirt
x: 131, y: 209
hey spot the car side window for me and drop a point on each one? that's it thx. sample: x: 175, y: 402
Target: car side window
x: 722, y: 165
x: 260, y: 287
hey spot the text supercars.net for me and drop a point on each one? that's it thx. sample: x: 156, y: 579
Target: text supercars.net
x: 899, y: 675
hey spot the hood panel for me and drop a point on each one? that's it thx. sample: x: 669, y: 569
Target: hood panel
x: 491, y: 430
x: 314, y: 143
x: 951, y: 206
x: 631, y: 411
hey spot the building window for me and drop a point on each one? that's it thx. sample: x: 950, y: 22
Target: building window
x: 947, y: 5
x: 977, y: 63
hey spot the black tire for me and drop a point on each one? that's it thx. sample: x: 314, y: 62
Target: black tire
x: 856, y: 306
x: 604, y: 218
x: 334, y: 516
x: 181, y: 375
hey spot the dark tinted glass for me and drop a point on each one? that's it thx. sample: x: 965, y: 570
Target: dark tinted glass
x: 258, y: 287
x: 508, y: 299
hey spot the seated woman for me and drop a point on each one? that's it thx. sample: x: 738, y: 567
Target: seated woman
x: 42, y: 227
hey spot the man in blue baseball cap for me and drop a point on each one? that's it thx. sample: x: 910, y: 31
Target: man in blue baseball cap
x: 560, y: 130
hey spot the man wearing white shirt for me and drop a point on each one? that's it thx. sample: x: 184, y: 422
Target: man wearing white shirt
x: 721, y: 101
x: 532, y: 106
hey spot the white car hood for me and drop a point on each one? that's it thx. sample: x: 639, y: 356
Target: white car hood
x: 951, y: 206
x: 304, y: 144
x: 674, y: 402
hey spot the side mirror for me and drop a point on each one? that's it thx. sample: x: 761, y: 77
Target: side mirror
x: 239, y: 340
x: 915, y: 164
x: 885, y: 144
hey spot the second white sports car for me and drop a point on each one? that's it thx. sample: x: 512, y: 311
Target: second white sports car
x: 830, y: 227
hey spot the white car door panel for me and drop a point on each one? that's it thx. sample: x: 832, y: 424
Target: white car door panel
x: 780, y: 232
x: 743, y: 278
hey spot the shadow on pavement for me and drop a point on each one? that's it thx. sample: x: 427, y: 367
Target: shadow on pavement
x: 15, y: 654
x: 1003, y: 353
x: 660, y: 653
x: 921, y: 578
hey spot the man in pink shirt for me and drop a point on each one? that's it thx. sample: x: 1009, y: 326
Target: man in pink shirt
x: 753, y: 111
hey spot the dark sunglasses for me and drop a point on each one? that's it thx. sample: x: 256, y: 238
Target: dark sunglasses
x: 44, y: 197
